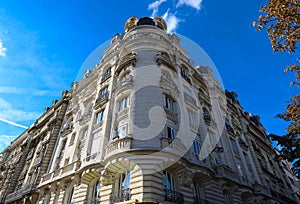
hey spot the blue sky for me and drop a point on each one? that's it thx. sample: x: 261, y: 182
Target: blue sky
x: 43, y: 45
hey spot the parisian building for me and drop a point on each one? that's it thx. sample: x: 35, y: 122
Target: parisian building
x: 146, y: 125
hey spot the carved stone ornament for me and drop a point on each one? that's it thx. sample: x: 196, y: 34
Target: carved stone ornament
x: 53, y: 188
x: 106, y: 178
x: 76, y: 180
x: 186, y: 178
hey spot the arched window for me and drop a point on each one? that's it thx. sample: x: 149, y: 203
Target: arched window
x: 122, y: 188
x: 47, y: 198
x: 169, y: 186
x: 95, y: 193
x: 227, y: 197
x: 70, y: 196
x: 199, y: 195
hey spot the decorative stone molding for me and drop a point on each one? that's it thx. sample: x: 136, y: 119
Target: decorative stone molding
x: 186, y: 178
x: 76, y: 179
x: 54, y: 188
x: 61, y: 185
x: 107, y: 177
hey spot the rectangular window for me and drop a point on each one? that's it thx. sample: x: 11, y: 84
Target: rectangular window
x: 169, y: 103
x: 125, y: 181
x: 99, y: 116
x: 124, y: 103
x: 239, y: 167
x: 122, y: 131
x: 196, y: 145
x: 171, y: 132
x: 72, y: 138
x: 233, y: 146
x: 192, y: 117
x: 106, y: 74
x: 84, y: 134
x: 62, y: 147
x: 103, y: 92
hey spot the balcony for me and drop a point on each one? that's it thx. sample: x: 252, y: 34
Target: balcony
x: 225, y: 171
x: 200, y: 201
x: 85, y: 117
x: 61, y: 172
x: 165, y: 81
x: 30, y: 154
x: 190, y: 99
x: 124, y: 82
x: 119, y: 144
x: 102, y: 99
x: 92, y: 201
x: 123, y: 195
x: 127, y: 60
x: 123, y: 112
x: 173, y: 144
x: 171, y: 115
x: 165, y: 59
x: 19, y: 193
x: 173, y: 196
x: 91, y: 157
x: 14, y: 196
x: 105, y: 77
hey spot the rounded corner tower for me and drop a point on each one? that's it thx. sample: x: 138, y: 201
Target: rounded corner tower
x: 144, y: 126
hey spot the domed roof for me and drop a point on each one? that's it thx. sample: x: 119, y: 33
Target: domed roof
x: 135, y: 21
x: 130, y: 23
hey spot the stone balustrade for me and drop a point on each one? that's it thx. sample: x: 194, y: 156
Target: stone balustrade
x: 61, y: 172
x: 173, y: 144
x: 119, y: 144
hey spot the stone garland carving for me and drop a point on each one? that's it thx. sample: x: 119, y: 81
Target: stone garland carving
x: 186, y: 178
x: 207, y: 116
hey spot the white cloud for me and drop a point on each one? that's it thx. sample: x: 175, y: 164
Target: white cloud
x: 154, y: 6
x: 27, y: 91
x: 10, y: 115
x: 4, y: 105
x: 13, y: 123
x: 172, y: 21
x: 11, y: 90
x: 2, y: 50
x: 5, y: 141
x: 18, y: 115
x: 193, y: 3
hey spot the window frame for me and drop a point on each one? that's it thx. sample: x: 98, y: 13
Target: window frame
x: 171, y: 132
x: 197, y: 147
x: 99, y: 119
x: 119, y: 130
x: 124, y: 103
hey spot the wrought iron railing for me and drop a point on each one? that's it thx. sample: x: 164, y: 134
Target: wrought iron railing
x: 123, y: 195
x: 102, y: 98
x: 92, y: 201
x: 173, y: 196
x: 200, y: 201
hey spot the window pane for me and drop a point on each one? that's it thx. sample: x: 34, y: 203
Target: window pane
x: 196, y: 145
x: 168, y: 180
x: 100, y: 116
x: 70, y: 195
x: 122, y: 131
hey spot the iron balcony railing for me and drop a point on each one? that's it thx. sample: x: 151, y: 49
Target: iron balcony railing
x: 173, y: 196
x: 123, y: 195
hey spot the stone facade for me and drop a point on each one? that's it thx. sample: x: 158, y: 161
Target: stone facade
x: 146, y: 126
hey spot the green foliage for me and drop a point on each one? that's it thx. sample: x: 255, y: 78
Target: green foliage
x: 281, y: 19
